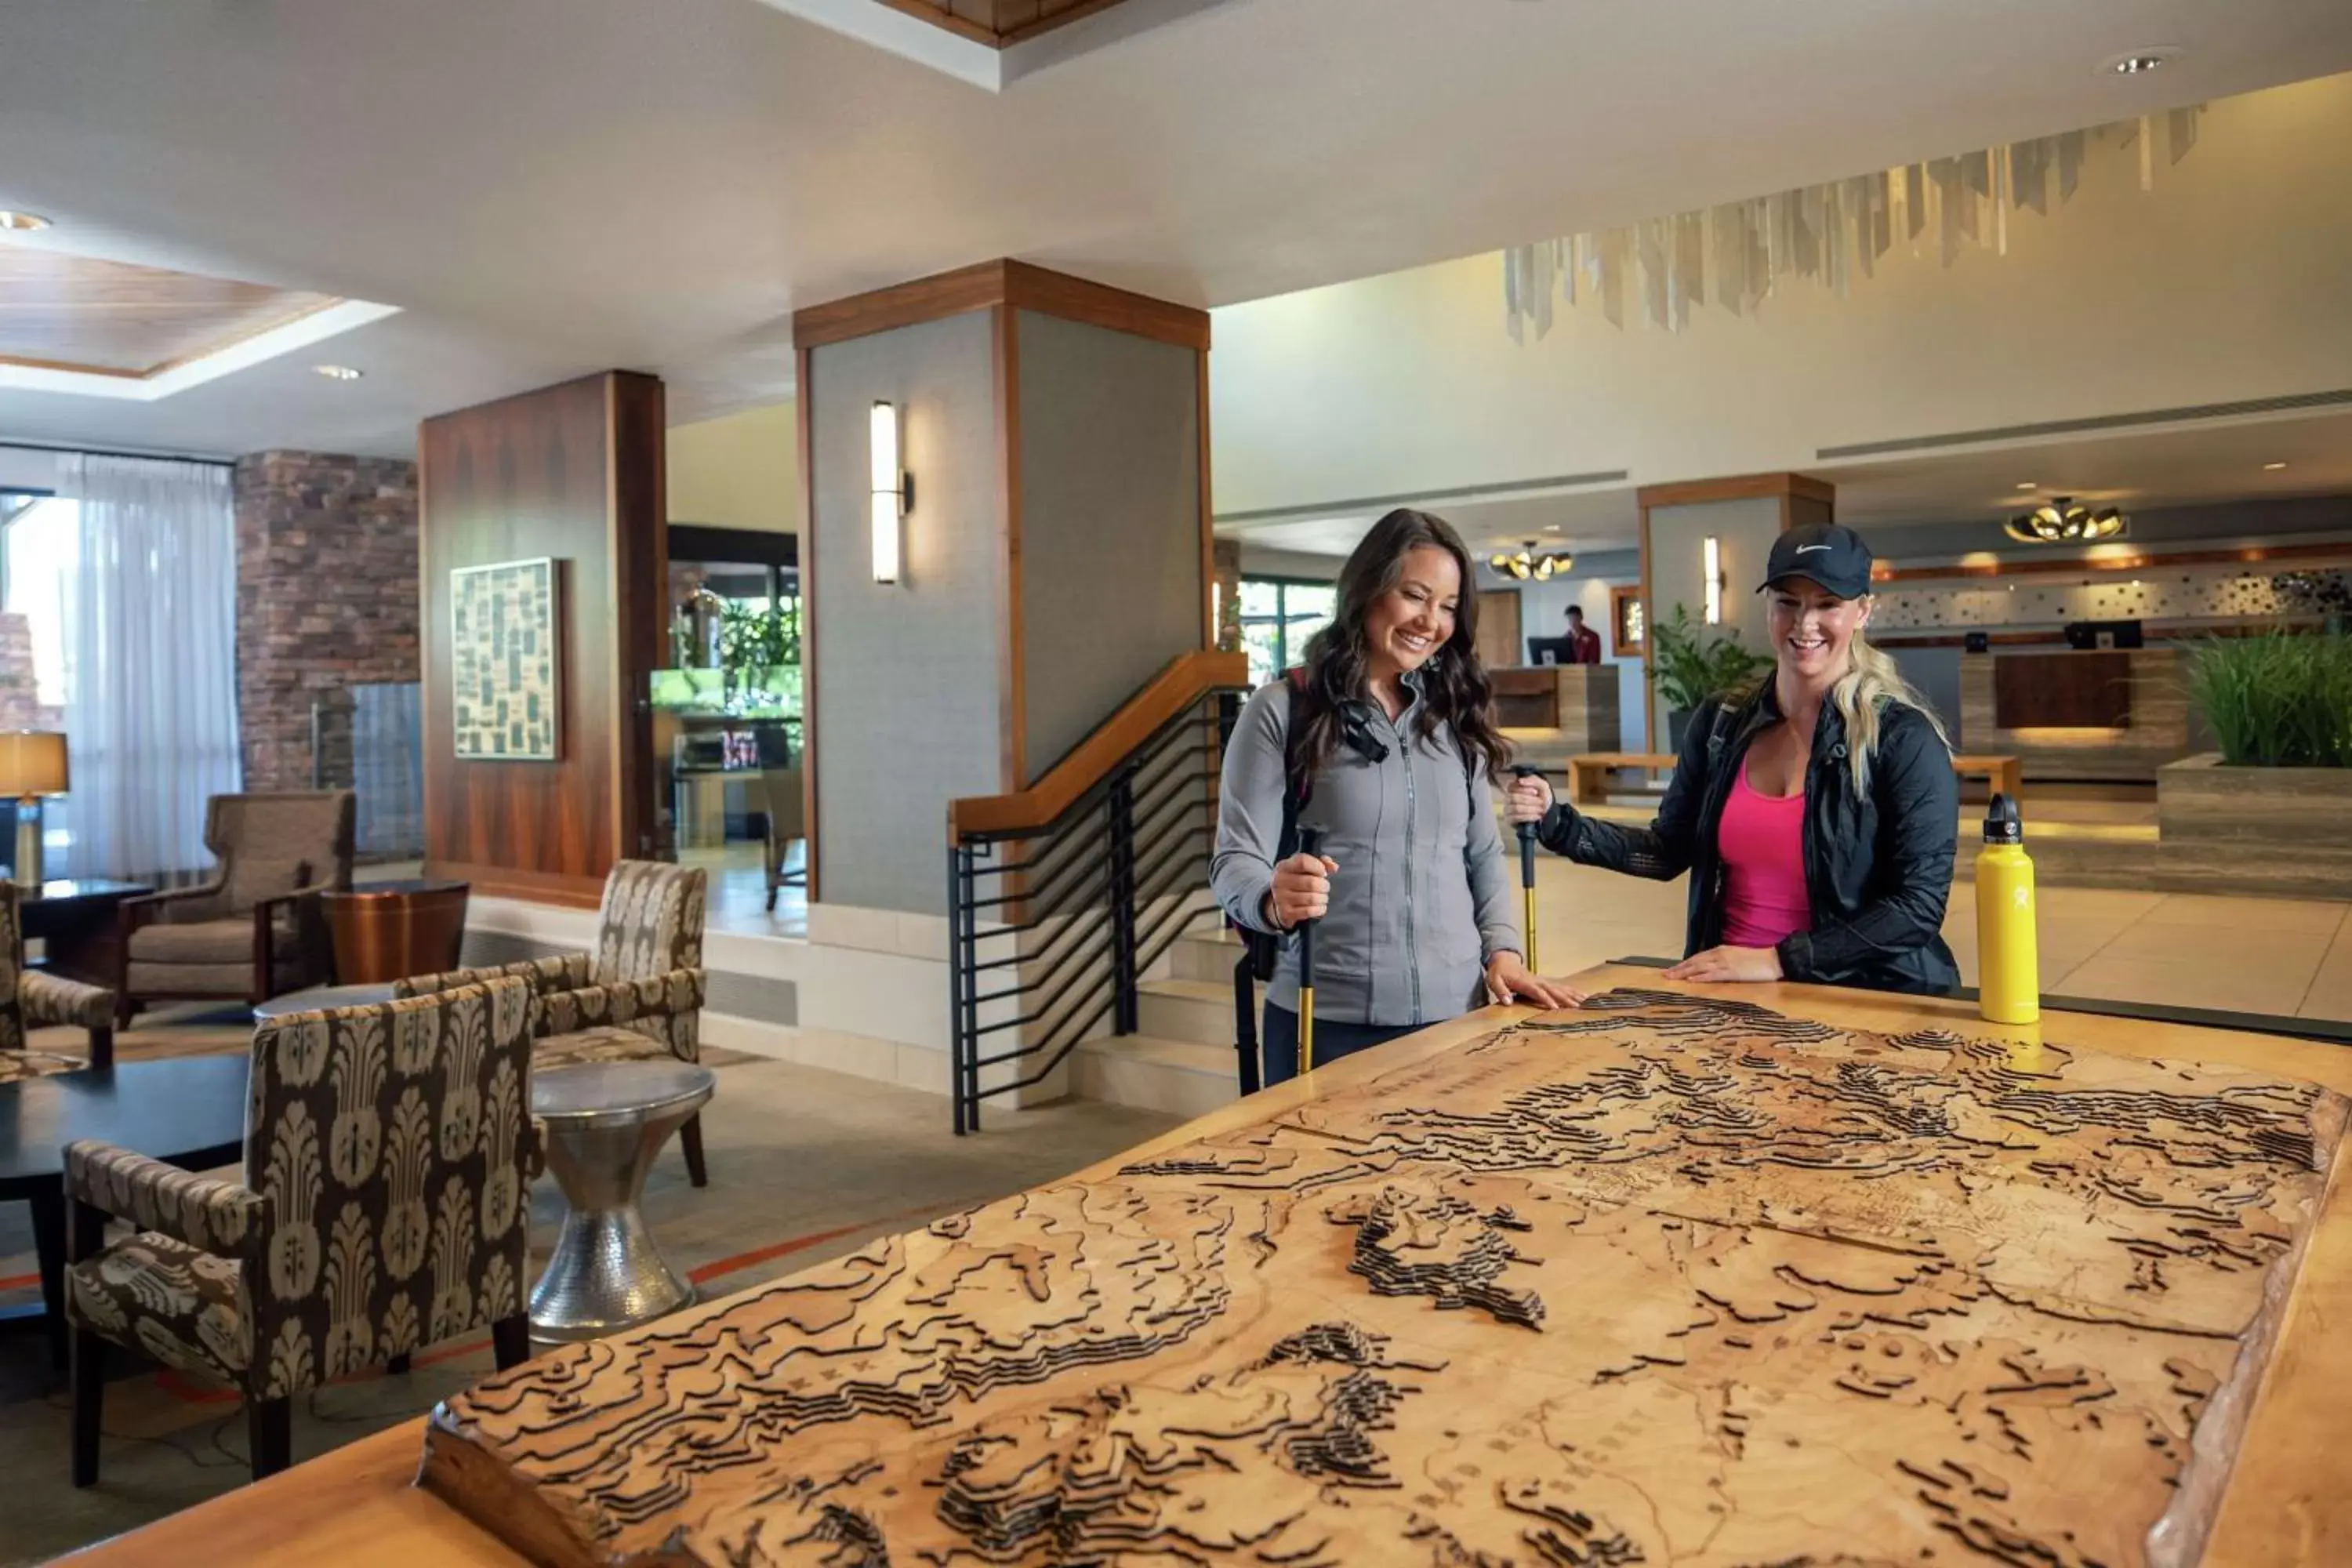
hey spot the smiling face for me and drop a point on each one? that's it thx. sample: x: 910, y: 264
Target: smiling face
x: 1408, y: 624
x: 1812, y: 629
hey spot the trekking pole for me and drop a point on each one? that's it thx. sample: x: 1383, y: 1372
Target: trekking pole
x: 1310, y: 842
x: 1527, y: 871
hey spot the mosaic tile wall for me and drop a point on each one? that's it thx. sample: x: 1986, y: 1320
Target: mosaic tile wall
x: 2155, y: 593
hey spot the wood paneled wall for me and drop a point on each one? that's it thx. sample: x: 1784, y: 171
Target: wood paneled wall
x: 573, y: 472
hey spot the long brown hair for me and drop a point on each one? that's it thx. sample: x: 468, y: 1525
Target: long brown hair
x: 1455, y: 689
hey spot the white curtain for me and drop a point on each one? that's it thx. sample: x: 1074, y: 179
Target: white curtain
x: 150, y: 639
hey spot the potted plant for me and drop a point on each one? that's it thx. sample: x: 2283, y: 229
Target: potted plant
x: 2279, y: 706
x: 1692, y: 665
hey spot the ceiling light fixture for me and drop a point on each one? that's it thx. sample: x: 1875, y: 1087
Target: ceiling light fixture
x: 24, y: 223
x: 2061, y: 522
x: 2140, y: 62
x: 2028, y: 484
x: 339, y: 372
x: 2273, y: 468
x: 1531, y: 565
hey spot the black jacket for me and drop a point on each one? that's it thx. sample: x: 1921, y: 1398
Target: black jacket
x: 1878, y: 869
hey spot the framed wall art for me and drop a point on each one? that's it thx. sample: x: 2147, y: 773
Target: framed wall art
x: 506, y: 661
x: 1628, y: 628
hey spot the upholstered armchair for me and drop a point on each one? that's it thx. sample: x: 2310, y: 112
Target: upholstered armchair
x: 32, y: 998
x: 255, y: 929
x: 384, y: 1206
x: 776, y: 794
x: 637, y: 997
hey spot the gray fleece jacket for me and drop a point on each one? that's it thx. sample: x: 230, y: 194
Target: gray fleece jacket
x: 1422, y: 896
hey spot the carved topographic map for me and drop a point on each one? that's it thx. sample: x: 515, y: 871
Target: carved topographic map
x: 1658, y: 1280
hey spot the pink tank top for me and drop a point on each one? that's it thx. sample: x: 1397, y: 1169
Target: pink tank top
x: 1762, y: 840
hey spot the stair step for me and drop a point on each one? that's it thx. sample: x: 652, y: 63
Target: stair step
x: 1198, y: 1012
x: 1206, y: 956
x: 1181, y: 1078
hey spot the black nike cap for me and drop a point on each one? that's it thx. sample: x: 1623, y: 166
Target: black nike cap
x: 1825, y: 552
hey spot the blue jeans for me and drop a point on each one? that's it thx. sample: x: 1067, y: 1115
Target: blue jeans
x: 1278, y: 1042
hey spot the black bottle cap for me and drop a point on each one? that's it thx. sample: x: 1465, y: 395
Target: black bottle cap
x: 2002, y: 825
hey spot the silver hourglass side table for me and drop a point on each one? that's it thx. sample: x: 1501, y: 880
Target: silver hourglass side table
x: 605, y: 1122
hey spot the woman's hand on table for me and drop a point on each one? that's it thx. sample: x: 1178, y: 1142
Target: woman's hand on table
x: 1730, y: 963
x: 1301, y: 890
x: 1528, y: 799
x: 1507, y: 981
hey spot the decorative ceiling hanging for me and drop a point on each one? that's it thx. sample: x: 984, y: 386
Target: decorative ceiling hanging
x: 1528, y: 566
x: 1825, y: 232
x: 2061, y: 522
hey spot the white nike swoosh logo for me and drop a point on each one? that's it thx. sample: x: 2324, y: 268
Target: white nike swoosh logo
x: 1809, y: 549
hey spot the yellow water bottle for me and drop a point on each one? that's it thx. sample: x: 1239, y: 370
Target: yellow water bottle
x: 2008, y: 978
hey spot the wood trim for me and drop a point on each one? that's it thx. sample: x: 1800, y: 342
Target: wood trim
x: 24, y: 362
x: 802, y: 404
x: 947, y: 21
x: 1078, y: 12
x: 1650, y: 617
x: 1072, y: 299
x: 1013, y: 663
x: 1209, y: 628
x: 1740, y: 487
x: 1000, y: 282
x: 2143, y: 562
x: 1183, y: 682
x: 614, y: 655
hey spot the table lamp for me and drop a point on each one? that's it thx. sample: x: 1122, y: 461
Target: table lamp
x: 32, y: 765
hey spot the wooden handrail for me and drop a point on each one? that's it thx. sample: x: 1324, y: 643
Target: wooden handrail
x: 1182, y: 684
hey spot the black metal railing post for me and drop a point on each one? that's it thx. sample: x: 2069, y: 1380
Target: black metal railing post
x: 1126, y: 983
x: 960, y: 958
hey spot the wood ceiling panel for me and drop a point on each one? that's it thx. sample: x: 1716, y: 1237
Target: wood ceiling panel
x: 999, y: 22
x: 71, y: 312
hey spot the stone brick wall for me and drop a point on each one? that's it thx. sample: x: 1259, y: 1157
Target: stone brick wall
x: 20, y: 702
x: 326, y: 599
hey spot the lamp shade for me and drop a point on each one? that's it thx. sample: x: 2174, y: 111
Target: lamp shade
x: 32, y: 762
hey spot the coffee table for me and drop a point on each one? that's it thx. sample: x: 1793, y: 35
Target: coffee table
x: 606, y: 1122
x: 188, y: 1112
x: 321, y: 997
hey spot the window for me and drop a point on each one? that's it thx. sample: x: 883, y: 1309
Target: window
x: 38, y: 549
x: 1279, y: 616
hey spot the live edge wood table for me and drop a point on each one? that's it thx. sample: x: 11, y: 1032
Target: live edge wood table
x: 1763, y: 1273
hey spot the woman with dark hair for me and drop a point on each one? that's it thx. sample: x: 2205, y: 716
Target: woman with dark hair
x: 1815, y: 810
x: 1385, y: 740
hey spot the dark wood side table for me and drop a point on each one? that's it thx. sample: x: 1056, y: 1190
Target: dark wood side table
x: 76, y: 925
x: 386, y: 931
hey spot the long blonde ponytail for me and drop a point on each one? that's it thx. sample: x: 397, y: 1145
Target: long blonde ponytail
x: 1869, y: 683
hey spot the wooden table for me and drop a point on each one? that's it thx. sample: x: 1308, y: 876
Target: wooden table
x: 78, y: 926
x: 2286, y: 1504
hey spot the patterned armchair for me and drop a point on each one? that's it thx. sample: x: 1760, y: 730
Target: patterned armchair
x: 388, y: 1157
x: 638, y: 997
x: 32, y: 998
x: 256, y: 929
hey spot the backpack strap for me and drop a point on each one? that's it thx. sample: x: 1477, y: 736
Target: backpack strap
x: 1266, y: 951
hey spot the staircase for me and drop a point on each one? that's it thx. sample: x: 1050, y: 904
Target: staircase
x: 1181, y: 1059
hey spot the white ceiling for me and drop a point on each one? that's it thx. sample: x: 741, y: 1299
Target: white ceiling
x: 2177, y: 467
x: 548, y: 187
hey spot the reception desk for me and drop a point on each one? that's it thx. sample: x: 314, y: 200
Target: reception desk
x: 1778, y: 1331
x: 1551, y: 712
x: 2089, y: 715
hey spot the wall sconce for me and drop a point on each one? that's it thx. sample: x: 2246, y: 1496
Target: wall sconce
x: 894, y: 493
x: 1711, y: 564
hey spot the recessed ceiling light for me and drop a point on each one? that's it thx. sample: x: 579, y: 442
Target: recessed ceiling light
x: 2273, y: 468
x: 2028, y: 484
x: 2140, y: 62
x: 339, y: 372
x: 24, y: 223
x: 1554, y: 528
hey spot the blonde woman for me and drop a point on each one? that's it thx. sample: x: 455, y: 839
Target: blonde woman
x: 1816, y: 812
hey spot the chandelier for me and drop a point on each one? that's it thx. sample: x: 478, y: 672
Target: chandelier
x: 1528, y: 566
x: 1739, y: 254
x: 2061, y: 522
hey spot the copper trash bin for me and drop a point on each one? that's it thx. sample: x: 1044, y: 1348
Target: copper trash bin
x: 389, y: 930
